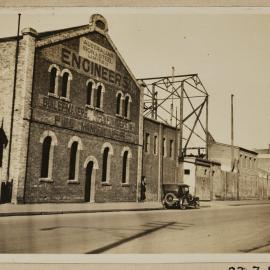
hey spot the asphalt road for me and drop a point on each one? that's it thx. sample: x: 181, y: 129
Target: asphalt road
x: 210, y: 230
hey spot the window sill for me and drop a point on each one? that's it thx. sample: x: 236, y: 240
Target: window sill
x: 119, y: 115
x: 73, y: 182
x: 125, y: 184
x: 53, y: 95
x: 127, y: 118
x: 65, y: 99
x: 45, y: 180
x: 99, y: 109
x: 105, y: 184
x: 89, y: 106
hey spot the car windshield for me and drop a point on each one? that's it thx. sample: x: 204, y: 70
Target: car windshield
x: 185, y: 189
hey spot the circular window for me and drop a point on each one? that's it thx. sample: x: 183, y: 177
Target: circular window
x: 100, y: 24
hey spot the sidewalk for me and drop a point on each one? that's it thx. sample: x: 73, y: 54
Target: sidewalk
x: 10, y: 209
x: 70, y: 208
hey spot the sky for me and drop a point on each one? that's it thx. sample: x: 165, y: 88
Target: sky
x: 228, y: 47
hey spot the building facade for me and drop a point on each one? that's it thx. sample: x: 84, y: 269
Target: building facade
x: 72, y: 128
x: 241, y: 176
x: 160, y: 163
x: 77, y: 123
x: 203, y: 176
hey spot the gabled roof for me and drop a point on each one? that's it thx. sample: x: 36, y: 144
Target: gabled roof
x: 54, y: 36
x: 46, y: 34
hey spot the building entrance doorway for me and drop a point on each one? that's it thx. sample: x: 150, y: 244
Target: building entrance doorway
x: 88, y: 180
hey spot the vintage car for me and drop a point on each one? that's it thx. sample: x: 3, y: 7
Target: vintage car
x: 178, y: 196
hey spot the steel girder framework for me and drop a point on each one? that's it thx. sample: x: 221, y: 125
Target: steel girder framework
x: 180, y: 101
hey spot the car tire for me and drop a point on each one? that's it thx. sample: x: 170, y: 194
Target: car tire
x: 169, y: 200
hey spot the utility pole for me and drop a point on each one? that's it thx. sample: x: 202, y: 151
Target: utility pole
x: 232, y: 134
x: 172, y: 96
x: 153, y: 101
x: 181, y: 122
x: 13, y: 95
x: 176, y: 147
x: 206, y: 128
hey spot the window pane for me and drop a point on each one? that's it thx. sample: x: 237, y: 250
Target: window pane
x: 98, y: 100
x: 89, y: 93
x: 64, y: 84
x: 45, y: 157
x: 72, y: 164
x: 118, y: 103
x: 105, y: 164
x: 52, y: 80
x: 126, y: 106
x: 124, y: 173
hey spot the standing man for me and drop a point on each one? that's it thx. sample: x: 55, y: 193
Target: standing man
x: 143, y: 188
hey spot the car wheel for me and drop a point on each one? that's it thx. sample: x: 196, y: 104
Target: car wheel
x: 169, y: 200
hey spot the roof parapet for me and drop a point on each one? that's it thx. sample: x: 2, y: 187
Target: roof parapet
x: 99, y: 23
x: 29, y: 31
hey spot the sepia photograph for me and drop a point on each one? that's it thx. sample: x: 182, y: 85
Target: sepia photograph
x: 134, y: 130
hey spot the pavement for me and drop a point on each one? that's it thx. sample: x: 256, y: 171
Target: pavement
x: 220, y: 228
x: 10, y: 209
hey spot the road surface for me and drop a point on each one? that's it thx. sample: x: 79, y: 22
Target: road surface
x: 208, y: 230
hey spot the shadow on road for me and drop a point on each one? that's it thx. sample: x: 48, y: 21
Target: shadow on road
x: 154, y: 226
x: 148, y: 228
x: 255, y: 248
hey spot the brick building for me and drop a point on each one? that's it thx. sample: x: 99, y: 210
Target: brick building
x: 77, y: 122
x: 160, y: 158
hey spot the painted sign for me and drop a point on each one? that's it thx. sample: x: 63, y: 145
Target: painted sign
x: 97, y: 54
x: 82, y: 65
x: 89, y: 116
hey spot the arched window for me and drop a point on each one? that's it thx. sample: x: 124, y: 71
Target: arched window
x: 118, y: 103
x: 126, y: 155
x: 48, y: 140
x: 125, y: 169
x: 54, y: 75
x: 64, y: 84
x: 52, y: 80
x: 66, y: 79
x: 105, y: 164
x: 100, y: 89
x: 75, y: 145
x: 73, y: 159
x: 45, y: 157
x: 127, y: 102
x: 89, y: 93
x: 126, y: 106
x: 107, y: 152
x: 98, y: 96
